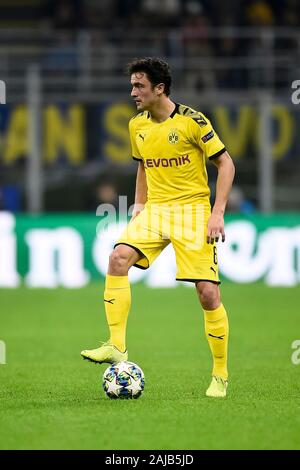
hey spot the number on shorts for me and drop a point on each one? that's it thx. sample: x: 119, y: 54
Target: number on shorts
x: 215, y: 255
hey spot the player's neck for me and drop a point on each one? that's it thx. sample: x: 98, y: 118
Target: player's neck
x: 162, y: 110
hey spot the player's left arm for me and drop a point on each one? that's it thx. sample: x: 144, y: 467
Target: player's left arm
x: 226, y: 171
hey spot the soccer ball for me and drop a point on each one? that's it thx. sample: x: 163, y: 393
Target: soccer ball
x: 123, y: 380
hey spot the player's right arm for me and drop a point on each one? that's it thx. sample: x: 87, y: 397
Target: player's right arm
x: 141, y: 183
x: 140, y: 190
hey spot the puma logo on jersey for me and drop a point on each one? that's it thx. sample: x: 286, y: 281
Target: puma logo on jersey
x: 167, y: 162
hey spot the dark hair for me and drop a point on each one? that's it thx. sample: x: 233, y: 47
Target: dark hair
x: 157, y: 70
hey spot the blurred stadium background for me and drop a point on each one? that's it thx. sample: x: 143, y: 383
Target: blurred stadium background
x: 64, y: 150
x: 234, y: 60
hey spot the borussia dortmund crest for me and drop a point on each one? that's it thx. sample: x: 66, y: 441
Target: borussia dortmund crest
x: 173, y: 137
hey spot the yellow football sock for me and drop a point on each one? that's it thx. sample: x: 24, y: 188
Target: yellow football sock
x: 117, y: 300
x: 217, y: 331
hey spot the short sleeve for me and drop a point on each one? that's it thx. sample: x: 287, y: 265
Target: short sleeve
x: 203, y: 135
x: 134, y: 149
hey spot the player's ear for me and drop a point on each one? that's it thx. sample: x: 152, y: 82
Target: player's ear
x: 160, y: 88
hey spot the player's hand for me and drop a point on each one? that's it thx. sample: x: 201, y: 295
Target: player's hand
x: 137, y: 210
x: 215, y: 228
x: 135, y: 214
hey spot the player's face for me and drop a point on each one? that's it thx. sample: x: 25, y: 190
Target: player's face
x: 143, y: 92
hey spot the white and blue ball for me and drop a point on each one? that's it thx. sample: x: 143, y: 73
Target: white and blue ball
x: 123, y: 380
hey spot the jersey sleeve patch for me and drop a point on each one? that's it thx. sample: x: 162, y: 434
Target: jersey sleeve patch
x: 208, y: 136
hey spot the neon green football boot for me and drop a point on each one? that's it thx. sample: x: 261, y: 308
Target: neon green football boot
x: 217, y: 388
x: 106, y: 353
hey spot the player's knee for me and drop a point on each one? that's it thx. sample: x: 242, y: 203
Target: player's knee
x: 119, y: 261
x: 209, y: 295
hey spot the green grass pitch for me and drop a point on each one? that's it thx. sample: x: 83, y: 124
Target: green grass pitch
x: 51, y: 399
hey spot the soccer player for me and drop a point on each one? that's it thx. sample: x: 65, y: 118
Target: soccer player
x: 171, y: 143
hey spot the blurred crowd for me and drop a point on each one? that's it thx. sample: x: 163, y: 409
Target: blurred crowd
x: 73, y: 14
x: 180, y: 30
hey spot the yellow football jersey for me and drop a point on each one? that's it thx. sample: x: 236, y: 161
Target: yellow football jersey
x: 174, y: 153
